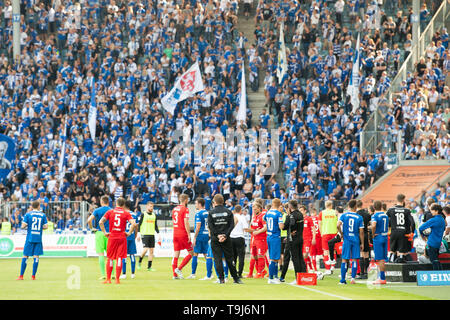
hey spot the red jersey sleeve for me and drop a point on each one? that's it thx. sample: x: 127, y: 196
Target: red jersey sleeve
x: 128, y: 216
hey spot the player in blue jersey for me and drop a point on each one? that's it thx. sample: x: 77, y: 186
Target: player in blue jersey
x: 210, y: 263
x: 101, y: 240
x: 380, y: 226
x: 34, y: 221
x: 351, y: 228
x: 201, y: 234
x: 273, y: 226
x: 131, y: 243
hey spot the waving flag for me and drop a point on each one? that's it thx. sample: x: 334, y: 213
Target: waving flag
x: 282, y: 61
x: 7, y: 156
x: 92, y: 117
x: 186, y: 86
x: 63, y: 154
x: 242, y: 112
x: 353, y: 86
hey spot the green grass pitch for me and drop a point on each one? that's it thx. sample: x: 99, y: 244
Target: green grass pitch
x: 78, y: 278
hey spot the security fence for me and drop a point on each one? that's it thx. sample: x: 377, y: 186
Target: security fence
x: 61, y: 213
x: 440, y: 20
x: 385, y: 141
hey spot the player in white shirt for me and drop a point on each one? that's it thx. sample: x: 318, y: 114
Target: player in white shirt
x: 237, y: 236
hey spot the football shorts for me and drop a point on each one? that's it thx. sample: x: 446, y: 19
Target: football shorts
x: 33, y: 249
x: 182, y: 243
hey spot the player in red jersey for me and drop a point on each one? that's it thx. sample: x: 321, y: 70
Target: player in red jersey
x: 309, y: 238
x: 316, y: 249
x: 259, y: 245
x: 181, y: 236
x: 116, y: 248
x: 256, y: 210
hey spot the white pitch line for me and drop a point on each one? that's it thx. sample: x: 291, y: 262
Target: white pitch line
x: 321, y: 292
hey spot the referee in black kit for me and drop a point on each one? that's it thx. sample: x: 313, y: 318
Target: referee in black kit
x: 220, y: 224
x: 294, y: 245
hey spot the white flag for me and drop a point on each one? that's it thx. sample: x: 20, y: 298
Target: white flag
x: 61, y: 168
x: 92, y: 117
x: 353, y: 86
x: 282, y: 61
x: 186, y: 86
x: 242, y: 112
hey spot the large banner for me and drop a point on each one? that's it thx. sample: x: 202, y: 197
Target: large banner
x: 408, y: 180
x: 78, y: 245
x: 55, y: 245
x: 433, y: 278
x: 7, y: 155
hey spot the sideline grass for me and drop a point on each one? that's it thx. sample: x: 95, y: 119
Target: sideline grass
x: 56, y: 279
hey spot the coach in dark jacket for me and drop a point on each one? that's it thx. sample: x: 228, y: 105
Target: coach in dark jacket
x: 294, y: 246
x: 220, y: 224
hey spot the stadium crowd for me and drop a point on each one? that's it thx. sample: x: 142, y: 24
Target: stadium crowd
x: 133, y: 52
x: 320, y: 131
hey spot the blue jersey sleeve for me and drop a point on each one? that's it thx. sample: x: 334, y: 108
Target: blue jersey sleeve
x: 198, y: 218
x: 26, y: 218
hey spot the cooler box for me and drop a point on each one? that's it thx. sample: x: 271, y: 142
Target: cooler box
x: 308, y: 279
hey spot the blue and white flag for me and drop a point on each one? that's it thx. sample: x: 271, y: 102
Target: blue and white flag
x: 282, y: 60
x: 61, y: 168
x: 186, y: 86
x: 353, y: 86
x: 242, y: 111
x: 7, y: 155
x: 92, y: 117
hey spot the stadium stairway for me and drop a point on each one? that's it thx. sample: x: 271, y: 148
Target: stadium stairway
x: 256, y: 100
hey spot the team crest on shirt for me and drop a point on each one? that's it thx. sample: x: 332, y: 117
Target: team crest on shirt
x: 187, y: 82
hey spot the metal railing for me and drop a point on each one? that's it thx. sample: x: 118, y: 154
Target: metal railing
x: 439, y: 20
x: 385, y: 141
x: 55, y: 211
x: 377, y: 120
